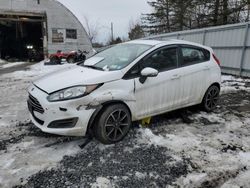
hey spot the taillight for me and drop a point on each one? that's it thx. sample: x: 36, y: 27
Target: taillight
x: 216, y: 60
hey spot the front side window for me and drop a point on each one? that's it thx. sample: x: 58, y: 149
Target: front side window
x: 193, y: 55
x: 163, y: 59
x: 119, y: 56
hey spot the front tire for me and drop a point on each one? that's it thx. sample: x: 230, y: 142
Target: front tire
x: 211, y: 98
x: 113, y: 124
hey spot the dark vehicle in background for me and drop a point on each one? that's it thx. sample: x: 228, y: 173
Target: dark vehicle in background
x: 31, y: 53
x: 34, y: 53
x: 71, y: 57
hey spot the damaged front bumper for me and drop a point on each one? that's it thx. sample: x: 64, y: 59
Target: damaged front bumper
x: 67, y: 118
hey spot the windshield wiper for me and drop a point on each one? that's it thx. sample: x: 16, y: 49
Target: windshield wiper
x: 93, y: 67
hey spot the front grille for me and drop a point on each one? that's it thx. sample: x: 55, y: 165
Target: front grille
x: 34, y: 103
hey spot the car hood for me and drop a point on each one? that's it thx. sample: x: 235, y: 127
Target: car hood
x: 75, y: 75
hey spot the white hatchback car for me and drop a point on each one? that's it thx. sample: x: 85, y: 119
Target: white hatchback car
x: 125, y: 83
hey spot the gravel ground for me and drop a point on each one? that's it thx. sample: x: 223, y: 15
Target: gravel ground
x: 122, y: 165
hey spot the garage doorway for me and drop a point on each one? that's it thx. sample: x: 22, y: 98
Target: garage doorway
x: 22, y: 37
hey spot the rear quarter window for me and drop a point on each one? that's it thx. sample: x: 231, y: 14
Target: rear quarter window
x: 193, y: 55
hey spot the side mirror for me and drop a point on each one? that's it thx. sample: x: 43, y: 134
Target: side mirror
x: 148, y: 72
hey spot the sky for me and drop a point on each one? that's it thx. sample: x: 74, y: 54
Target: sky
x: 102, y: 12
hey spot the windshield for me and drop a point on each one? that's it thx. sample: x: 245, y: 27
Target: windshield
x: 119, y: 56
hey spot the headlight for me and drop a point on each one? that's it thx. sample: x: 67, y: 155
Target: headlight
x: 71, y: 93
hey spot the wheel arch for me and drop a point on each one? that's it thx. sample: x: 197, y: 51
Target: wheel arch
x: 215, y: 84
x: 100, y: 109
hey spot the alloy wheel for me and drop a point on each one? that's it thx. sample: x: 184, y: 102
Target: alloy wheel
x: 212, y: 98
x: 117, y: 125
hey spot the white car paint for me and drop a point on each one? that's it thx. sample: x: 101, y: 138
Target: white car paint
x: 76, y: 75
x: 163, y: 92
x: 149, y: 72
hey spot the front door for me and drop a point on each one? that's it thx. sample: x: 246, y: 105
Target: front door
x: 158, y: 94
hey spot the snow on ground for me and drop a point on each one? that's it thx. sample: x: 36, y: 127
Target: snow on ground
x: 211, y: 150
x: 36, y: 71
x: 2, y: 61
x: 29, y: 156
x: 232, y: 83
x: 102, y: 182
x: 8, y: 65
x: 219, y: 149
x: 14, y: 87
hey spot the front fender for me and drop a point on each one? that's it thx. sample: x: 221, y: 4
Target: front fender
x: 118, y: 90
x: 113, y: 95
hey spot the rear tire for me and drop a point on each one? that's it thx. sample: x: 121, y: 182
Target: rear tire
x: 71, y: 59
x: 113, y: 124
x: 211, y: 98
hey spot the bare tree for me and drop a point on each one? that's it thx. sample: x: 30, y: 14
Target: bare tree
x: 92, y: 28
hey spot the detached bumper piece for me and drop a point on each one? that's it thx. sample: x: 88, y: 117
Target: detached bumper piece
x: 34, y: 105
x: 64, y: 123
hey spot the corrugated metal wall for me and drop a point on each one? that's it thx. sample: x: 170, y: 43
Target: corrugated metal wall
x: 231, y: 44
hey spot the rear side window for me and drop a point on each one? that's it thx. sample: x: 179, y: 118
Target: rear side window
x: 192, y: 55
x: 161, y: 60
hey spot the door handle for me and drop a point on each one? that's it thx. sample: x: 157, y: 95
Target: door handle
x: 176, y: 76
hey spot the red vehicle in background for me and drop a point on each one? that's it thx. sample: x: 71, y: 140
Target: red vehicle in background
x: 71, y: 57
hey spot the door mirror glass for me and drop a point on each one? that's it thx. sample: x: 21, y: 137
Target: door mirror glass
x: 149, y: 72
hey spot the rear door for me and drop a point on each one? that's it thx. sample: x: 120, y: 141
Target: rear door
x: 194, y: 69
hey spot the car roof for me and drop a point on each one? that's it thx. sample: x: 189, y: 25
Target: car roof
x: 166, y: 42
x: 146, y: 42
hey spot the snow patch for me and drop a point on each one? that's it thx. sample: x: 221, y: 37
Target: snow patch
x: 24, y: 159
x: 38, y: 70
x: 174, y: 142
x: 242, y: 180
x: 140, y: 175
x: 232, y: 83
x: 8, y: 65
x: 245, y: 158
x: 30, y: 155
x: 194, y: 179
x: 2, y: 61
x: 102, y: 182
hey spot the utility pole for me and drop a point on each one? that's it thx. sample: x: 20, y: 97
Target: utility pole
x: 112, y: 32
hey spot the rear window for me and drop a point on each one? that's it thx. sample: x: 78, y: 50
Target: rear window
x: 192, y: 55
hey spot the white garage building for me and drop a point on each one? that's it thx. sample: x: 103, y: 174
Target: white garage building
x: 45, y: 24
